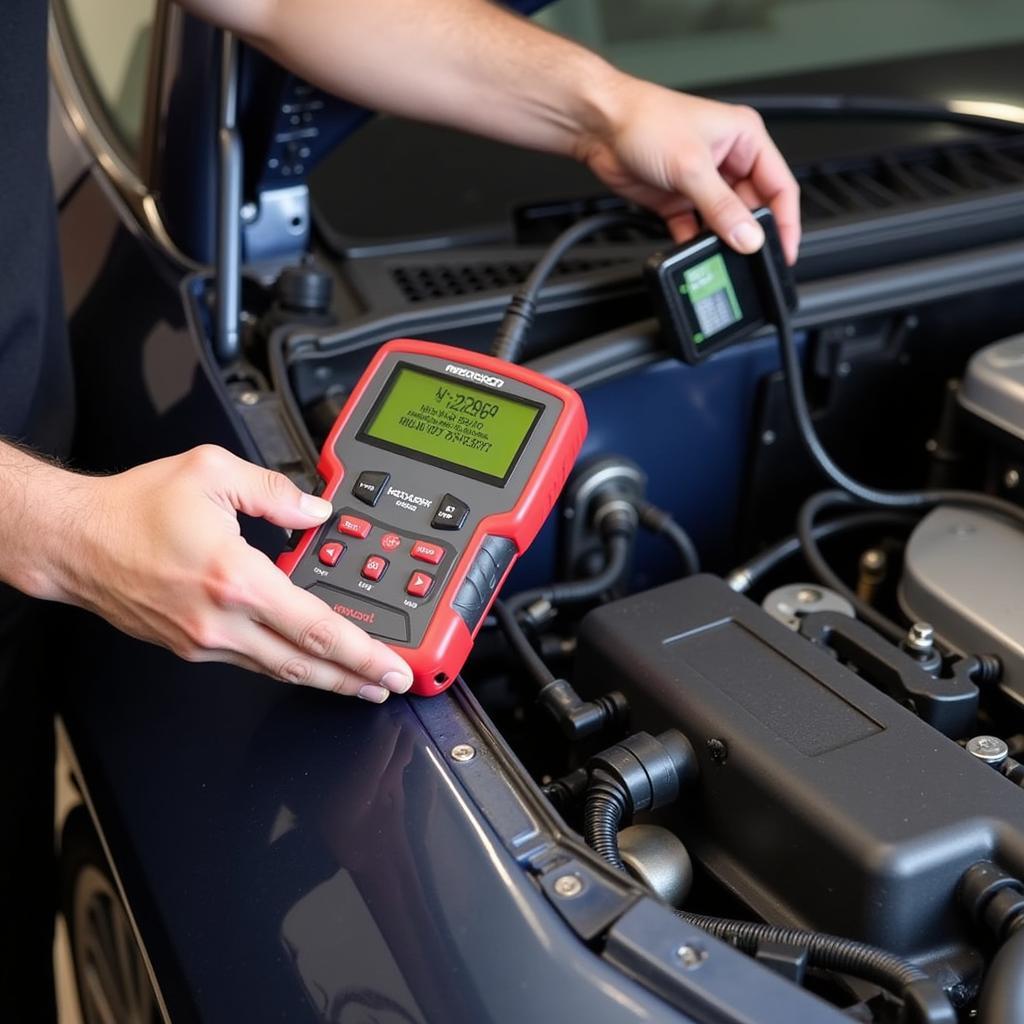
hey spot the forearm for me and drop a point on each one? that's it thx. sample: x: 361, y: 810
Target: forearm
x: 465, y: 63
x: 41, y: 506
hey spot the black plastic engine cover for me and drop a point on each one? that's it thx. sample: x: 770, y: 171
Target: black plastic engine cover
x: 823, y: 802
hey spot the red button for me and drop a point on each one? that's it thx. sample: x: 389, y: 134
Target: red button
x: 390, y: 541
x: 330, y: 553
x: 427, y: 552
x: 374, y: 567
x: 354, y: 527
x: 419, y: 584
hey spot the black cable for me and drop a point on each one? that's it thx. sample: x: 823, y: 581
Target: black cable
x: 618, y: 547
x: 508, y: 342
x: 824, y: 572
x: 657, y: 520
x: 521, y: 646
x: 744, y: 577
x: 603, y: 810
x: 282, y: 387
x: 920, y: 499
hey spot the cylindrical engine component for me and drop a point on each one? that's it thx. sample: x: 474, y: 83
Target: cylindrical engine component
x: 659, y: 859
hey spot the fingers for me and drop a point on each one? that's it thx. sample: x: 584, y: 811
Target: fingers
x: 325, y: 640
x: 257, y: 491
x: 274, y: 656
x: 775, y: 185
x: 722, y: 209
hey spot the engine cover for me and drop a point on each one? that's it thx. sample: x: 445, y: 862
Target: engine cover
x: 820, y: 801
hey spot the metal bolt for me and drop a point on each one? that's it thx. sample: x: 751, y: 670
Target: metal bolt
x: 249, y: 397
x: 990, y: 749
x: 873, y: 560
x: 921, y: 636
x: 690, y: 956
x: 768, y: 437
x: 568, y: 886
x: 1012, y: 479
x: 844, y: 369
x: 248, y: 213
x: 808, y: 595
x: 463, y: 752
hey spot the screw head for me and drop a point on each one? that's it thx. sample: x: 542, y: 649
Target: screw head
x: 809, y: 595
x: 1012, y: 479
x: 249, y: 398
x: 568, y: 886
x: 990, y: 749
x: 921, y: 636
x: 690, y: 956
x: 873, y: 560
x: 463, y: 752
x: 768, y: 437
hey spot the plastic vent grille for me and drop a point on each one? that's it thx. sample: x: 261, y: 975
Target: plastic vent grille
x: 900, y: 180
x: 426, y: 281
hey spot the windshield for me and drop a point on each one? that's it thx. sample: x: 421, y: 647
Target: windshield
x: 693, y: 43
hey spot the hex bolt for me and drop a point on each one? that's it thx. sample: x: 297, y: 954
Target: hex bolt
x: 808, y: 595
x: 463, y: 752
x: 921, y: 637
x: 690, y: 956
x: 568, y: 886
x: 990, y: 749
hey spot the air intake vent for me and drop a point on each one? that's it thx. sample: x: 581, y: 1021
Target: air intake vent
x: 904, y: 179
x: 426, y: 281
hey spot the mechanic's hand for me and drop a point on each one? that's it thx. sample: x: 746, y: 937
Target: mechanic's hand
x: 159, y: 554
x: 672, y: 153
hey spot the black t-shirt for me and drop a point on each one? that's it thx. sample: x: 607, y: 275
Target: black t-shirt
x: 36, y: 404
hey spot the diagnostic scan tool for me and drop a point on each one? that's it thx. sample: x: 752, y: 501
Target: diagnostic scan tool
x: 708, y: 296
x: 442, y: 467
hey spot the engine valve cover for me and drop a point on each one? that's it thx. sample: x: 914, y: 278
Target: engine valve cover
x: 820, y: 801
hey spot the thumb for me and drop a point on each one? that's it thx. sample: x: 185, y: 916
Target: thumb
x: 272, y: 496
x: 722, y: 209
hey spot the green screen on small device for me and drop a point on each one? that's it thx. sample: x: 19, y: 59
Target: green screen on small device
x: 712, y: 295
x: 451, y: 423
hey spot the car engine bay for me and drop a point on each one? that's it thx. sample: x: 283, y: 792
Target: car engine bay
x: 794, y: 714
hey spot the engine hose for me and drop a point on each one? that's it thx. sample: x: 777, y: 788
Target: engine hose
x: 805, y: 530
x: 657, y: 520
x: 617, y: 550
x: 920, y: 499
x: 603, y: 810
x: 745, y: 577
x: 1002, y: 993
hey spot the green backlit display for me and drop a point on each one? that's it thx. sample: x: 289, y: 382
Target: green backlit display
x: 712, y: 295
x: 450, y: 422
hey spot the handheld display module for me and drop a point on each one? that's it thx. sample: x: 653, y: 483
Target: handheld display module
x: 442, y: 467
x: 708, y: 296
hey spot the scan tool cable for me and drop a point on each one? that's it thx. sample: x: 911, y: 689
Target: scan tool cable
x: 511, y: 334
x: 919, y: 499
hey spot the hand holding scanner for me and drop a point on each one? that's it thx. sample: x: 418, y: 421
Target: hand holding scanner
x: 442, y: 467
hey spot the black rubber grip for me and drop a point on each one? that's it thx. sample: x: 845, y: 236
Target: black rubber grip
x: 485, y: 573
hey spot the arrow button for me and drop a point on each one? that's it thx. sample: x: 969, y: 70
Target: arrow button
x: 419, y: 584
